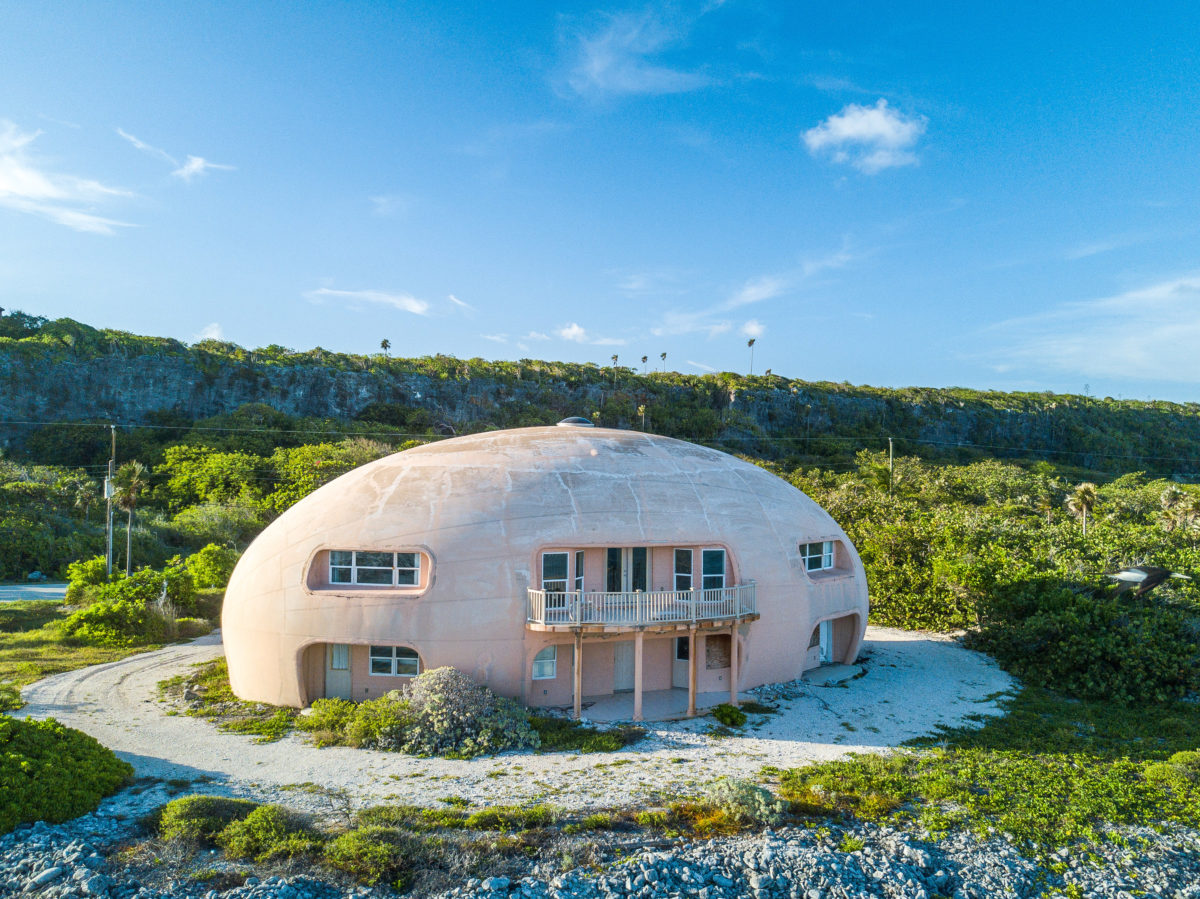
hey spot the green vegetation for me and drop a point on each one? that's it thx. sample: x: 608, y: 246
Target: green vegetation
x: 442, y: 712
x: 200, y: 819
x: 268, y: 832
x: 568, y: 735
x: 205, y: 693
x: 52, y: 773
x: 729, y: 715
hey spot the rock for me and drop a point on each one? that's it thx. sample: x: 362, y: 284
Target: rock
x: 496, y: 884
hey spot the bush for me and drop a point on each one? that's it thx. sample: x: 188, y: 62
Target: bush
x: 745, y: 802
x: 268, y: 832
x: 173, y: 586
x: 729, y: 715
x: 190, y: 628
x: 511, y: 817
x: 326, y: 720
x: 450, y: 714
x: 212, y: 565
x: 116, y: 623
x: 84, y: 574
x: 52, y: 773
x: 199, y: 819
x: 373, y: 854
x: 563, y: 735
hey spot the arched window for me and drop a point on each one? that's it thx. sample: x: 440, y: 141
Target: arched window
x: 545, y: 664
x: 395, y: 661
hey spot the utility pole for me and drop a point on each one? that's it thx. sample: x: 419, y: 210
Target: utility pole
x: 108, y: 498
x: 891, y: 465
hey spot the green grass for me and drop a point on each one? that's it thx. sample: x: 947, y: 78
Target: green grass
x: 32, y: 647
x: 565, y: 735
x: 216, y: 702
x: 1049, y: 774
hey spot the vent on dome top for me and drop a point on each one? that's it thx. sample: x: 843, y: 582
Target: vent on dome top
x: 575, y: 421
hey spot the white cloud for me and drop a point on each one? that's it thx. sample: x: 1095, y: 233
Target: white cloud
x: 536, y: 335
x: 616, y: 58
x: 870, y: 138
x: 196, y: 165
x: 401, y: 301
x: 1150, y: 333
x: 578, y: 334
x: 460, y: 303
x: 211, y: 331
x: 756, y: 291
x: 754, y: 328
x: 710, y: 320
x: 495, y: 338
x: 25, y: 186
x: 700, y: 365
x: 388, y: 205
x: 193, y: 166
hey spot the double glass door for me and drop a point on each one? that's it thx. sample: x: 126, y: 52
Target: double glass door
x: 627, y: 569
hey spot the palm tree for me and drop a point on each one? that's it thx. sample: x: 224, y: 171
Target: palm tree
x: 644, y: 358
x: 614, y: 361
x: 84, y: 494
x: 131, y: 480
x: 750, y: 344
x: 642, y: 412
x: 385, y: 345
x: 663, y: 357
x: 1082, y: 502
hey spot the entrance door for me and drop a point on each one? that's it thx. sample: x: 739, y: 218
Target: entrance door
x: 825, y: 640
x: 337, y: 671
x: 623, y: 666
x: 627, y: 569
x: 680, y: 662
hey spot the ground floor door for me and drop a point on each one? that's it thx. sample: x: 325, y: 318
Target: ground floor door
x: 679, y: 662
x: 623, y: 666
x: 337, y: 671
x: 825, y: 641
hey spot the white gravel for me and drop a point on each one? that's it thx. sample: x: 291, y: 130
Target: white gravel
x: 914, y: 683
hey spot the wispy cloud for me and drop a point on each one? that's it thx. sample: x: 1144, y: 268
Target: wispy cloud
x: 536, y: 335
x: 389, y: 205
x: 712, y: 319
x: 211, y: 331
x: 700, y: 365
x: 1104, y: 245
x: 460, y: 304
x: 495, y: 338
x: 578, y: 334
x: 402, y: 301
x: 1150, y: 333
x: 754, y: 328
x: 755, y: 291
x: 619, y: 54
x: 189, y: 169
x: 27, y: 186
x: 870, y: 138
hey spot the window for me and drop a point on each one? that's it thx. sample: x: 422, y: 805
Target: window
x: 815, y: 640
x: 683, y: 569
x: 339, y: 657
x: 713, y: 561
x: 817, y: 556
x: 395, y: 661
x: 545, y: 664
x: 683, y: 650
x: 579, y: 571
x: 377, y: 569
x: 554, y: 572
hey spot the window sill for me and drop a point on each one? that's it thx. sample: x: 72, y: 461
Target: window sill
x: 829, y: 574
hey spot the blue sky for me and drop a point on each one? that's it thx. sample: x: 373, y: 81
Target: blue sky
x: 992, y: 196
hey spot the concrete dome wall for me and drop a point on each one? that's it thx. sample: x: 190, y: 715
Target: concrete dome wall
x: 482, y: 507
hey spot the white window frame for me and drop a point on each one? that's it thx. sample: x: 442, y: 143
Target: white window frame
x: 724, y: 575
x: 684, y: 577
x: 393, y: 657
x: 545, y: 664
x: 579, y: 567
x: 821, y: 552
x: 406, y: 575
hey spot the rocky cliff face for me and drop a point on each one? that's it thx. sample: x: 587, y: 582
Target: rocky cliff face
x: 771, y: 416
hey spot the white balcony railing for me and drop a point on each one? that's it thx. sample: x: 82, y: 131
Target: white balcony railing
x: 640, y: 609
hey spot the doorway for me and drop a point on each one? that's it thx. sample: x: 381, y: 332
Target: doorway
x: 623, y: 666
x: 337, y: 671
x: 825, y: 641
x: 627, y: 569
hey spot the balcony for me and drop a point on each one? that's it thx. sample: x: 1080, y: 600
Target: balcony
x: 666, y: 609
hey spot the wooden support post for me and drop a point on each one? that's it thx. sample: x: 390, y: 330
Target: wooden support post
x: 577, y: 674
x: 637, y: 676
x: 691, y: 672
x: 733, y: 665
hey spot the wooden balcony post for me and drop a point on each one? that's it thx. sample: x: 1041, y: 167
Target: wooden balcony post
x: 637, y: 675
x: 692, y: 672
x: 577, y: 675
x: 733, y: 664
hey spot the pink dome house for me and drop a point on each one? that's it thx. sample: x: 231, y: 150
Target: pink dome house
x: 554, y: 564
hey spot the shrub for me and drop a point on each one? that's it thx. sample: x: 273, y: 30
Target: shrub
x: 52, y: 773
x: 268, y: 832
x: 191, y: 628
x: 84, y: 574
x: 116, y: 623
x: 172, y: 586
x: 563, y: 734
x: 212, y: 565
x: 326, y: 720
x: 729, y: 715
x: 449, y: 714
x: 511, y: 817
x: 379, y: 723
x: 745, y: 802
x: 373, y: 854
x: 199, y: 819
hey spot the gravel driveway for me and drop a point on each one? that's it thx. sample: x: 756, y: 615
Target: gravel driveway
x: 913, y: 683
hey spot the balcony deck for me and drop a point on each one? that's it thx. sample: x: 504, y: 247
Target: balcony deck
x: 663, y: 610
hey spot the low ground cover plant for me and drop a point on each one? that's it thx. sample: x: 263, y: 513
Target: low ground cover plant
x: 566, y: 734
x: 52, y: 773
x: 200, y: 819
x: 204, y: 692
